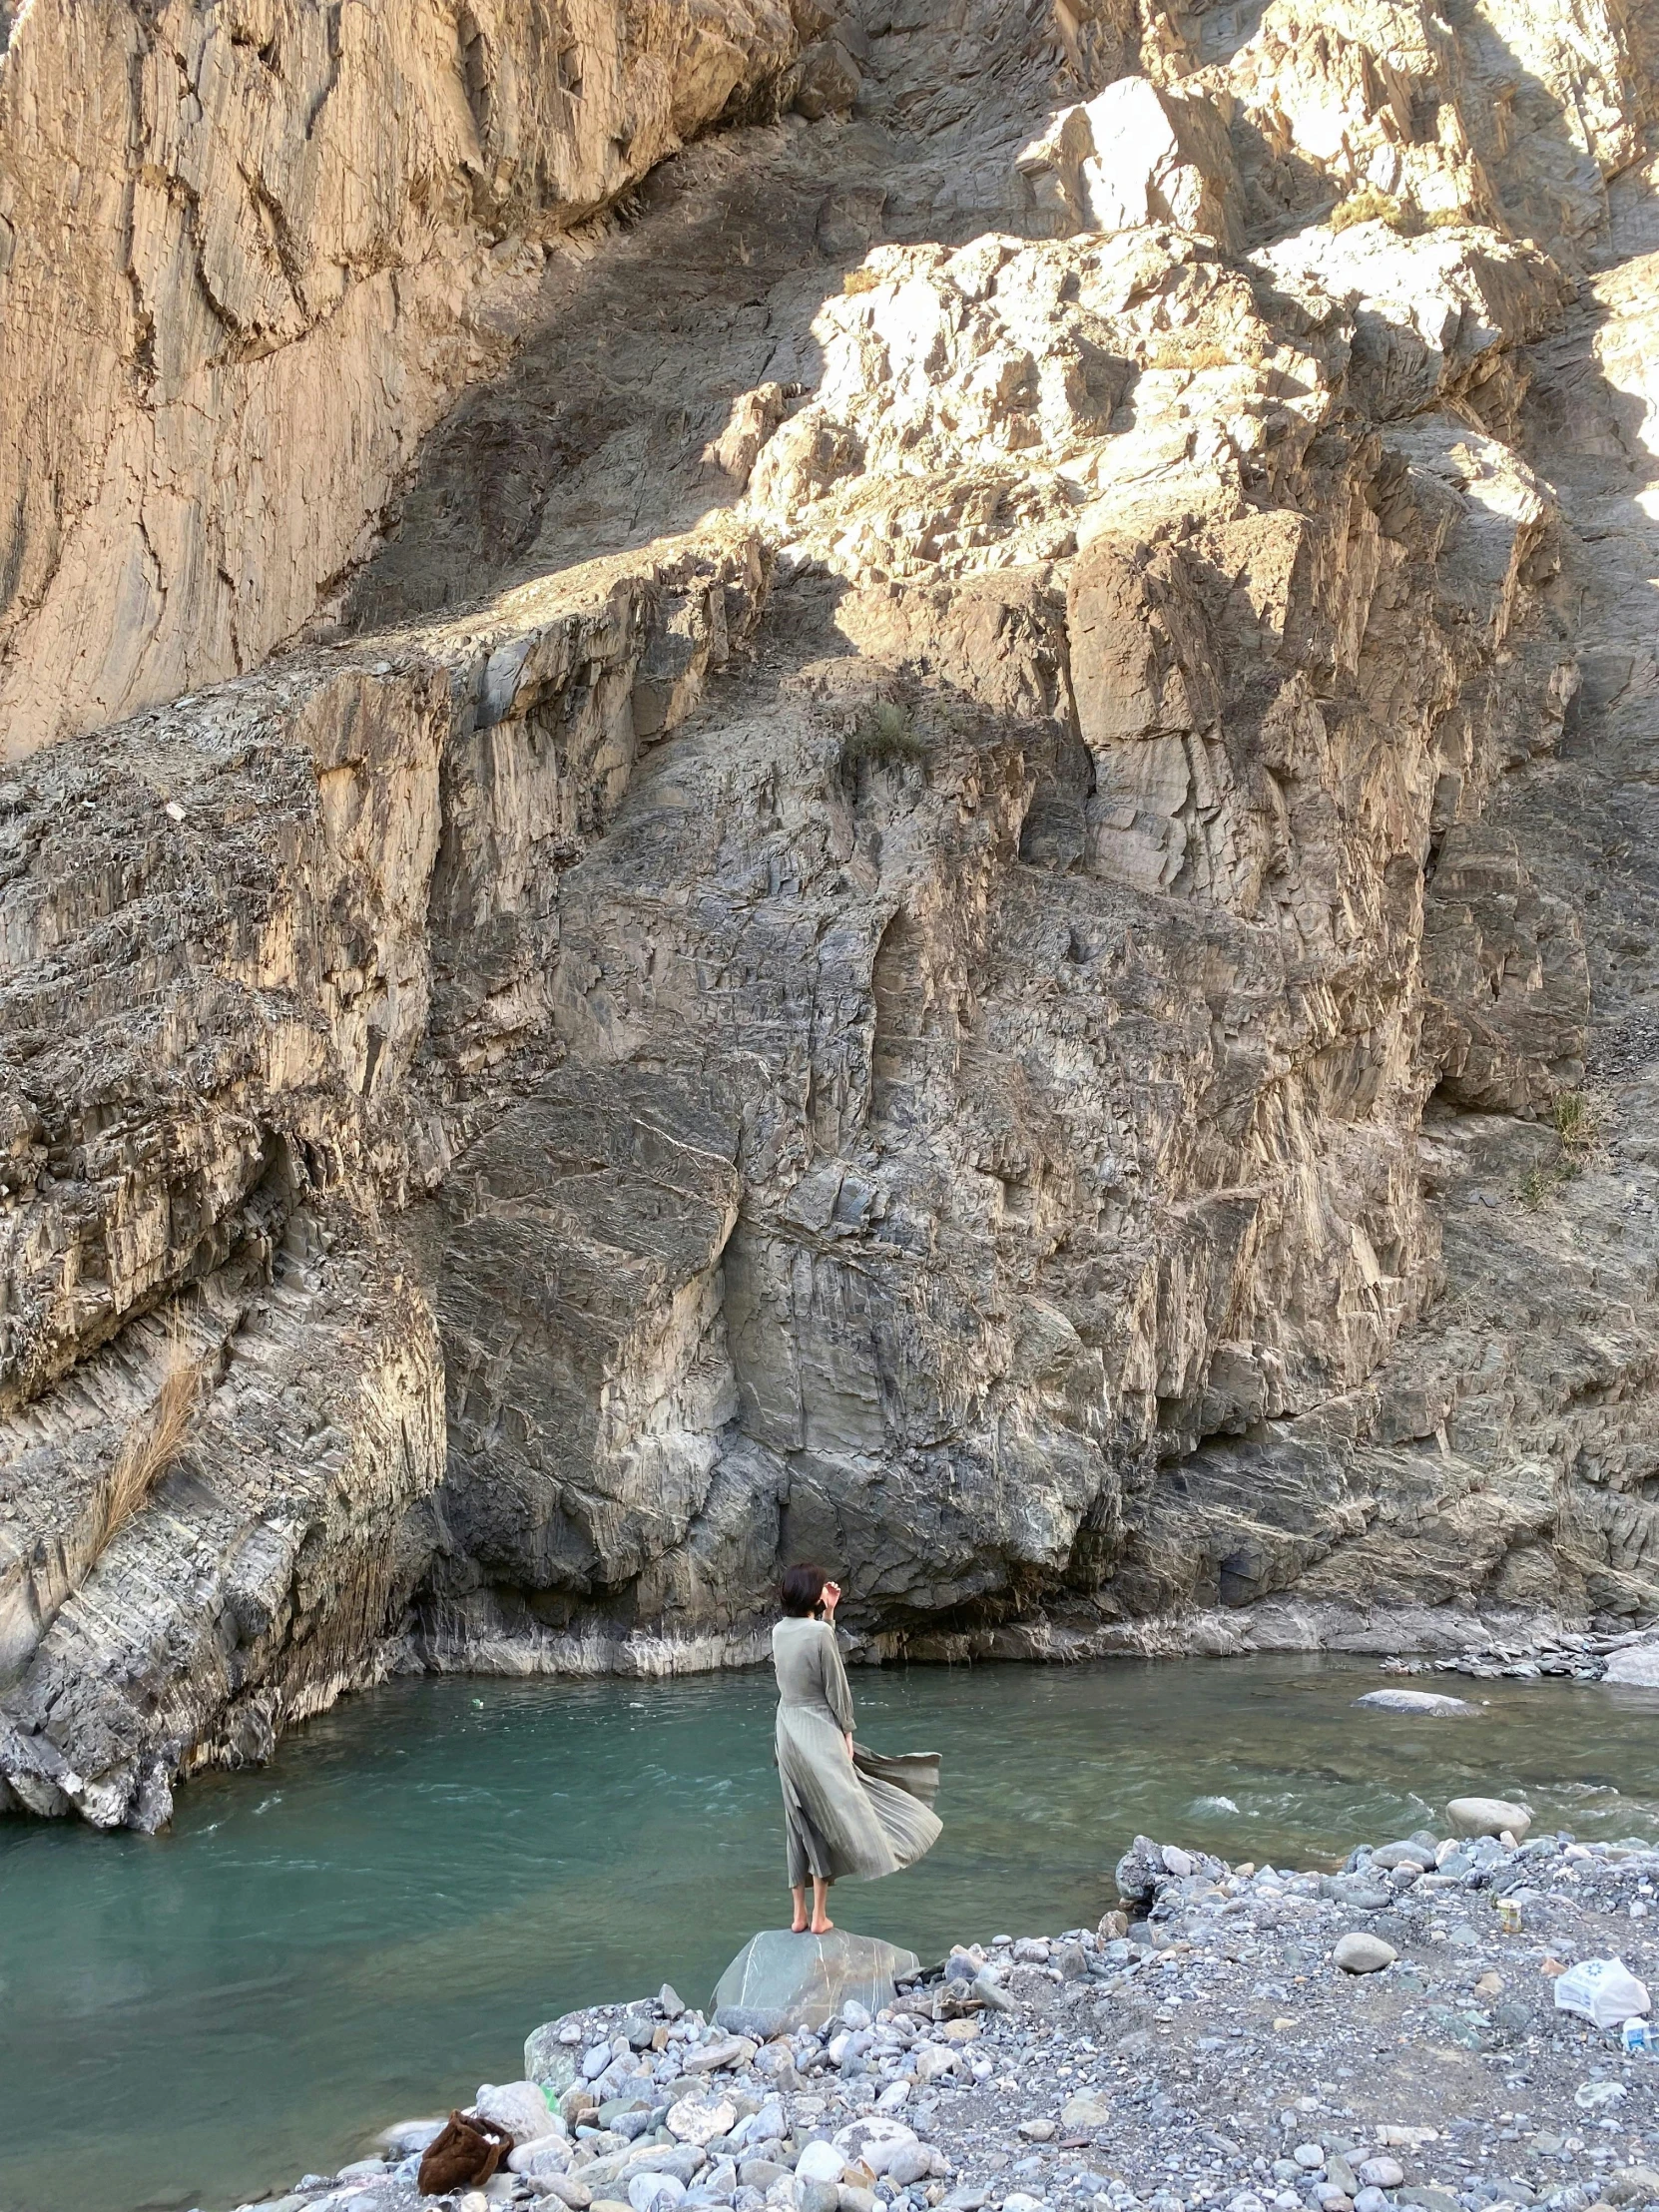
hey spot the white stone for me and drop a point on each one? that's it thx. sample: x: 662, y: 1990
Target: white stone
x: 1381, y: 2173
x: 725, y: 2052
x: 819, y: 2162
x: 545, y: 2155
x: 934, y: 2060
x: 872, y: 2141
x: 518, y: 2106
x: 411, y: 2136
x: 1637, y: 1667
x: 695, y: 2120
x: 1433, y: 1704
x: 1087, y: 2108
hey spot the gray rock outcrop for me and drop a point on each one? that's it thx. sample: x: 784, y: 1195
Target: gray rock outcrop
x: 952, y: 877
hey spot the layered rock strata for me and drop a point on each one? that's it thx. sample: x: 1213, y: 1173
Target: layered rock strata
x: 963, y: 889
x: 222, y: 225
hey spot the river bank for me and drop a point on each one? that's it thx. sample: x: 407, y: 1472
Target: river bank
x: 367, y: 1927
x: 1210, y: 2051
x: 1491, y: 1640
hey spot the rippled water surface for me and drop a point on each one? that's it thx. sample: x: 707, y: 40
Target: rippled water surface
x: 366, y: 1929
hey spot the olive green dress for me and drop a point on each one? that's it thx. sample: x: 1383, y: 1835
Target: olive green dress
x: 862, y: 1817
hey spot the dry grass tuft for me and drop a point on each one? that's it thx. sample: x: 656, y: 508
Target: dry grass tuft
x: 1181, y: 351
x: 859, y: 279
x: 151, y: 1447
x: 1368, y: 204
x: 1575, y: 1121
x: 886, y: 738
x: 1537, y: 1189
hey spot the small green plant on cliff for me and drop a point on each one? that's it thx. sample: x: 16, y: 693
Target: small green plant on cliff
x: 1537, y: 1188
x: 884, y: 738
x: 1577, y: 1129
x: 148, y: 1449
x: 1367, y: 204
x: 1575, y: 1121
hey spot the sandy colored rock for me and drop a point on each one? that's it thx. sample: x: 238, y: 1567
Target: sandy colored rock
x: 279, y: 218
x: 1485, y: 1816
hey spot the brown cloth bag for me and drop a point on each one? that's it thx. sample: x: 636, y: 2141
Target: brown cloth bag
x: 469, y: 2151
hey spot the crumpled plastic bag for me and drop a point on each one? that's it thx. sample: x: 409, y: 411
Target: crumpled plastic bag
x: 1603, y: 1990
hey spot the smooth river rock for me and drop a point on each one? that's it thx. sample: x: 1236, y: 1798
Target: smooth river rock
x: 1488, y: 1815
x: 873, y: 2142
x: 1428, y: 1703
x: 1362, y: 1953
x: 803, y: 1980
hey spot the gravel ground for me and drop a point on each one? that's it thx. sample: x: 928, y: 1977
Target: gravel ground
x: 1201, y: 2047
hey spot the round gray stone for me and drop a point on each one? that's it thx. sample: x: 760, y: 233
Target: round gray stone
x: 1361, y: 1952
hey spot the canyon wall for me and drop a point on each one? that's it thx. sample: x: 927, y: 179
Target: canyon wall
x: 249, y: 251
x: 948, y: 866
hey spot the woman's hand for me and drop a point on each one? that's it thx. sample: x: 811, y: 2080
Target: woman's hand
x: 829, y: 1598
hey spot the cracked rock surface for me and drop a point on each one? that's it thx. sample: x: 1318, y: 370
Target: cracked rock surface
x: 917, y: 832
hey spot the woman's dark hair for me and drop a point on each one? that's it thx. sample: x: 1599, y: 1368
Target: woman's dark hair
x: 802, y: 1589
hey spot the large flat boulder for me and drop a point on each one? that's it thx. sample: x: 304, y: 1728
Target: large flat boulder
x: 803, y: 1980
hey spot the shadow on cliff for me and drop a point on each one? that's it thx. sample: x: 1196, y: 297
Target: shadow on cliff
x: 592, y: 442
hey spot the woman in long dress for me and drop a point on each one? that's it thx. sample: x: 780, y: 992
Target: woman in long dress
x: 847, y: 1811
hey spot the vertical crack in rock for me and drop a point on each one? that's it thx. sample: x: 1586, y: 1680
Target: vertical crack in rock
x: 948, y: 864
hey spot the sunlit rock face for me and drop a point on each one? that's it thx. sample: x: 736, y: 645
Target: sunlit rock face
x: 927, y: 846
x: 248, y: 252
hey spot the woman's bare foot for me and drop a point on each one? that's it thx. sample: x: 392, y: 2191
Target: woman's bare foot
x: 798, y: 1927
x: 820, y: 1928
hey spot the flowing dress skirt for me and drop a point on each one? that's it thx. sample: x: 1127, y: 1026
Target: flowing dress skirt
x: 862, y: 1817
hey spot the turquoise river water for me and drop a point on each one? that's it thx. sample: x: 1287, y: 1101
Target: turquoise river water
x: 367, y: 1929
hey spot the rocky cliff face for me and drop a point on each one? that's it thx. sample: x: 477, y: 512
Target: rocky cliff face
x: 248, y: 254
x: 963, y: 885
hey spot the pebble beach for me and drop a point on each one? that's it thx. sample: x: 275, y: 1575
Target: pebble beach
x: 1242, y: 2037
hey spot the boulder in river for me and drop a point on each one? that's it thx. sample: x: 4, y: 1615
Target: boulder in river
x: 803, y: 1980
x: 1489, y: 1816
x: 1637, y: 1667
x: 1428, y: 1703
